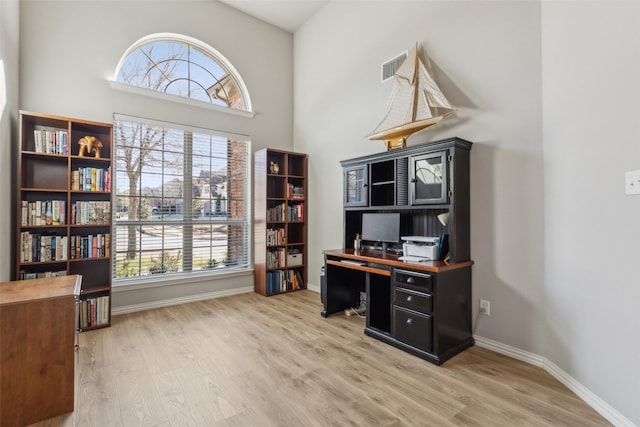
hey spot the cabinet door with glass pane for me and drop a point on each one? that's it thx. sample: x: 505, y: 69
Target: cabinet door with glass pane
x: 356, y: 186
x: 428, y: 178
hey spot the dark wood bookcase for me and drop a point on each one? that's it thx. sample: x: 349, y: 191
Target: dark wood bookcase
x: 64, y: 207
x: 402, y: 181
x: 280, y: 221
x: 422, y: 307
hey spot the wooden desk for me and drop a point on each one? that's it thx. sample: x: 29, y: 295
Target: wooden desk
x: 37, y: 348
x: 423, y: 308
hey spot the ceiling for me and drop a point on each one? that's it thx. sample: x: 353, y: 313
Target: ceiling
x: 286, y: 14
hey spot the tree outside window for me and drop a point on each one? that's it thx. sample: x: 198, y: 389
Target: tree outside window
x: 179, y: 193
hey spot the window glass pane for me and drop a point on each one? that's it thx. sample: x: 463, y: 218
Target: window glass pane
x: 202, y: 146
x: 182, y: 69
x: 164, y: 226
x: 173, y: 163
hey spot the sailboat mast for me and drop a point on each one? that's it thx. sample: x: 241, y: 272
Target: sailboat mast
x: 416, y: 85
x: 416, y: 102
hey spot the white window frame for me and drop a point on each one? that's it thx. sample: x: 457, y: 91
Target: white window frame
x: 141, y: 282
x: 180, y: 99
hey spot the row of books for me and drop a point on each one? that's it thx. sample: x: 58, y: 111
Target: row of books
x: 53, y: 212
x: 295, y: 278
x: 295, y: 212
x: 94, y: 312
x: 24, y: 275
x: 275, y: 237
x: 276, y: 213
x: 90, y: 246
x: 276, y: 258
x: 281, y: 281
x: 43, y: 212
x: 51, y: 141
x: 37, y: 247
x: 296, y: 192
x: 42, y: 248
x: 91, y: 212
x: 91, y: 179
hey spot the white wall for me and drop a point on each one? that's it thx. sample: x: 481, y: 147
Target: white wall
x: 553, y: 237
x: 486, y: 58
x: 70, y: 49
x: 9, y: 33
x: 591, y: 64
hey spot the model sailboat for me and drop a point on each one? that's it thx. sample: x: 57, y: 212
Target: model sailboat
x: 416, y: 102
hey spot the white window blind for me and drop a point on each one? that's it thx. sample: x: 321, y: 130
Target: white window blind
x: 181, y: 200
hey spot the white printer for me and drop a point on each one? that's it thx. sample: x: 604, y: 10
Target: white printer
x: 420, y: 248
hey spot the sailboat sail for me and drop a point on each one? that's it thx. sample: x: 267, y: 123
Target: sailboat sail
x: 416, y: 102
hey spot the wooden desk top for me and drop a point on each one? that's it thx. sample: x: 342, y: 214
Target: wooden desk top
x: 392, y: 260
x: 20, y: 291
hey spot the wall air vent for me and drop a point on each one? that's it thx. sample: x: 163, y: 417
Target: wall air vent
x: 390, y: 67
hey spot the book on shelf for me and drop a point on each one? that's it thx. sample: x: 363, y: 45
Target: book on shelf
x: 299, y: 280
x: 295, y: 213
x: 91, y: 179
x: 43, y: 212
x: 276, y: 213
x: 296, y: 280
x: 25, y: 275
x: 296, y: 192
x: 275, y: 258
x: 94, y: 311
x: 284, y: 280
x: 38, y: 247
x: 90, y: 246
x: 50, y: 141
x: 276, y: 236
x: 90, y: 212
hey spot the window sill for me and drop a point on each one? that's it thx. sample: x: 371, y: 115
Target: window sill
x: 174, y: 98
x: 176, y: 279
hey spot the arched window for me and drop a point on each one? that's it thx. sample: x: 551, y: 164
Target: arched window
x: 182, y: 192
x: 182, y: 66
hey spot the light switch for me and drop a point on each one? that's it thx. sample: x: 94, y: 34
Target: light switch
x: 632, y: 182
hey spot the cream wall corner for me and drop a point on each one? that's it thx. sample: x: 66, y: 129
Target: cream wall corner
x: 9, y: 79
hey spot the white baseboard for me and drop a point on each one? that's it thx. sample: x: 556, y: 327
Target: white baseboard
x: 181, y: 300
x: 312, y: 287
x: 602, y: 407
x: 191, y: 298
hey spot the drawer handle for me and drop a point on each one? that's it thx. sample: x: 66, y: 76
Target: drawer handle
x: 409, y: 321
x: 409, y: 298
x: 410, y: 280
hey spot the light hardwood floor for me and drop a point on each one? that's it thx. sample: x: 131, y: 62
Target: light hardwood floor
x: 248, y: 360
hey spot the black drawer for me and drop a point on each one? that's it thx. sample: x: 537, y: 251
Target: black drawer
x: 414, y: 279
x: 412, y: 328
x: 412, y: 299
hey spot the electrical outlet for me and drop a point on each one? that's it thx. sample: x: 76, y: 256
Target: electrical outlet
x: 485, y: 307
x: 632, y: 182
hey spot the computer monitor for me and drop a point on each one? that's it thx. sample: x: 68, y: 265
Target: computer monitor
x: 381, y: 227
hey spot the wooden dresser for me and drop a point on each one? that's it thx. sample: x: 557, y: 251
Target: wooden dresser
x: 37, y: 348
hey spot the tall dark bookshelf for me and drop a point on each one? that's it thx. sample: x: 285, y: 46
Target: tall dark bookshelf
x: 64, y: 207
x: 280, y: 221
